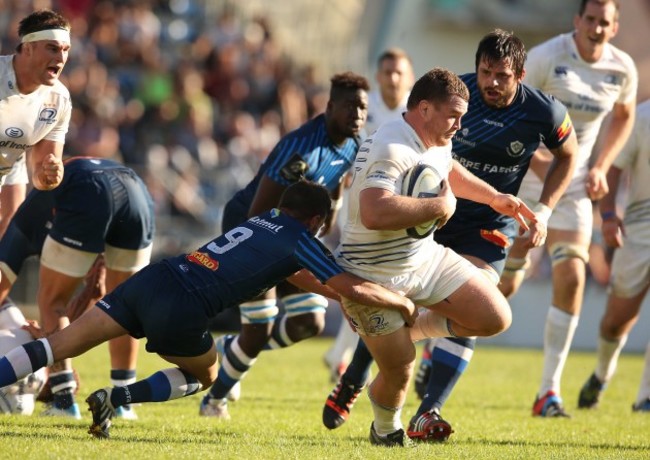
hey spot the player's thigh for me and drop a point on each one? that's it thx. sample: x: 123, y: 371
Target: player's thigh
x: 477, y: 304
x: 204, y: 367
x: 89, y: 330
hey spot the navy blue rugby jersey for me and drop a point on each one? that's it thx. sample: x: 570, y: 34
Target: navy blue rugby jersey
x: 497, y: 145
x: 306, y: 153
x: 250, y: 259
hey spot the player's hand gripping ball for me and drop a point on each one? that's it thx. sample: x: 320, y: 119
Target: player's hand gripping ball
x: 422, y: 181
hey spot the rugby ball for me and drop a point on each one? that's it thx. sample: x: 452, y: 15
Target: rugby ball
x: 422, y: 181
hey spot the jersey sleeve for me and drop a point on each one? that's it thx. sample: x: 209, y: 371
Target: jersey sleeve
x: 60, y: 129
x: 630, y: 83
x: 316, y: 258
x: 560, y: 122
x: 387, y: 167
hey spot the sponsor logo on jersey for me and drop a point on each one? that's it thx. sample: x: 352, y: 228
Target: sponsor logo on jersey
x: 565, y: 128
x: 516, y: 149
x: 265, y: 224
x: 295, y: 169
x: 561, y: 71
x: 498, y: 124
x: 14, y: 145
x: 14, y: 132
x: 47, y: 115
x: 336, y: 162
x: 612, y: 79
x: 202, y: 258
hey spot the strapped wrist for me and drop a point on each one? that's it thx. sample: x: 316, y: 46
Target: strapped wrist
x: 542, y: 213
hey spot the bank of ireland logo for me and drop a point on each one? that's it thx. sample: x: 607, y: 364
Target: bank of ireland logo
x: 516, y: 149
x: 14, y: 132
x: 47, y: 115
x: 464, y: 132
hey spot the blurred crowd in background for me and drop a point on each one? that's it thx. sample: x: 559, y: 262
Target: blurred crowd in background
x: 189, y: 93
x: 192, y: 94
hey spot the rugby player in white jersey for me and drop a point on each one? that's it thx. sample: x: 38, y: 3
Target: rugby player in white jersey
x: 35, y: 107
x: 35, y: 110
x: 458, y: 300
x: 387, y: 102
x: 593, y: 79
x: 630, y: 278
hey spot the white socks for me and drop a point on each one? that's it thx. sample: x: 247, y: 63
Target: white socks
x: 558, y: 335
x: 608, y: 353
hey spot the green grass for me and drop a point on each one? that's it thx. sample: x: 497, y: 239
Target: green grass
x: 279, y: 416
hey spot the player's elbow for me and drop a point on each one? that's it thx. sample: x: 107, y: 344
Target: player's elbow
x: 373, y: 220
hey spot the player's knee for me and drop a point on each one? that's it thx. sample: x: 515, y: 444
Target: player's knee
x: 258, y: 311
x: 563, y: 252
x: 500, y: 320
x: 513, y: 275
x: 306, y: 325
x: 305, y: 314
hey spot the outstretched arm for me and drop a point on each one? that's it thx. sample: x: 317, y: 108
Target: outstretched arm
x: 46, y: 164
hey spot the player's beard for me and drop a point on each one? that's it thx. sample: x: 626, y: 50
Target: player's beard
x: 503, y: 100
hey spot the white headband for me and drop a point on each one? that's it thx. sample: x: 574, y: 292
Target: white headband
x: 61, y: 35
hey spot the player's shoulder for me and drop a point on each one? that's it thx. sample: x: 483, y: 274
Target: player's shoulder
x: 617, y: 56
x: 61, y: 89
x: 553, y: 48
x: 539, y: 101
x: 314, y: 126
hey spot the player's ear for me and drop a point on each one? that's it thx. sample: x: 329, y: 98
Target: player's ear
x: 523, y: 75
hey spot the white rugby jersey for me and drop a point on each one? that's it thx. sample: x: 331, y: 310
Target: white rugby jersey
x: 379, y: 113
x: 382, y: 161
x: 588, y: 90
x: 635, y: 157
x: 26, y: 119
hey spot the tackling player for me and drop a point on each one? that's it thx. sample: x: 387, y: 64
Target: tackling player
x: 171, y: 302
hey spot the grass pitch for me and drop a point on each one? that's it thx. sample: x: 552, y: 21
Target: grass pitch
x: 279, y: 416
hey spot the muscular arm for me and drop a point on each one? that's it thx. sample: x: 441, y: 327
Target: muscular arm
x: 305, y: 280
x: 267, y: 196
x: 614, y: 139
x: 467, y: 185
x: 364, y: 292
x: 357, y: 290
x: 612, y: 226
x: 560, y: 171
x: 45, y: 164
x: 380, y: 209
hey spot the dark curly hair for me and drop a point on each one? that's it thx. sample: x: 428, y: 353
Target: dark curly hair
x: 500, y: 44
x: 347, y: 81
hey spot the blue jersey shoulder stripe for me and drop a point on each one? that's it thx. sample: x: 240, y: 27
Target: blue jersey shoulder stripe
x: 315, y: 258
